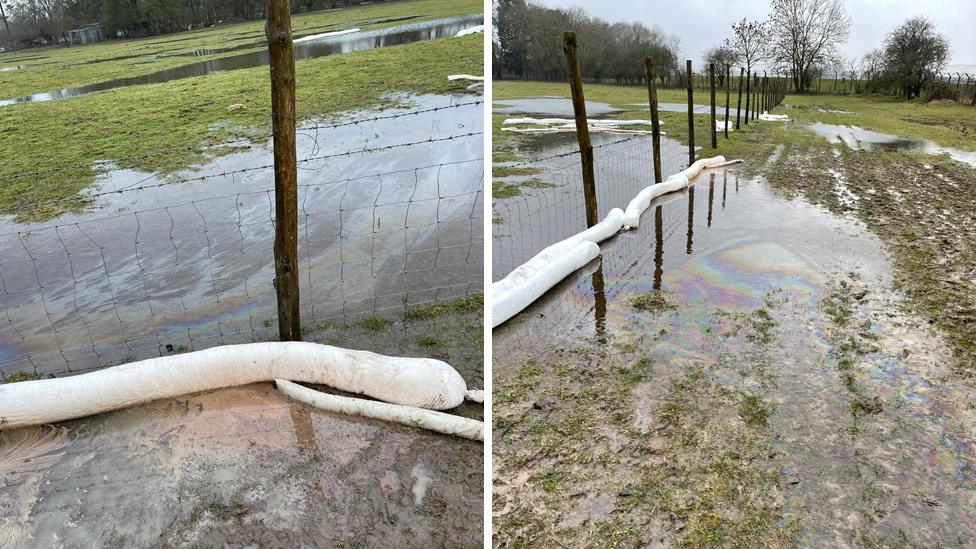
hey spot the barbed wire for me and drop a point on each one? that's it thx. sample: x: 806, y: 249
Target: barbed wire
x: 191, y: 273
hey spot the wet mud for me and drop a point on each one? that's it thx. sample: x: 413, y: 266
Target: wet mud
x: 233, y: 468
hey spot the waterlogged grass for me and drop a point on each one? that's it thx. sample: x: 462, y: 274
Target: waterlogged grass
x: 654, y: 301
x: 472, y: 304
x: 947, y: 123
x: 21, y: 376
x: 164, y: 121
x: 59, y: 67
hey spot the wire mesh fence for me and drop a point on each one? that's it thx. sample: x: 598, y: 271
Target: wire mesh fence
x: 550, y: 205
x: 390, y: 217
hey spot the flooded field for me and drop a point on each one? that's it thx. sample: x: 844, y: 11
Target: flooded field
x: 163, y: 264
x: 561, y: 106
x: 740, y: 368
x: 858, y: 138
x: 309, y: 49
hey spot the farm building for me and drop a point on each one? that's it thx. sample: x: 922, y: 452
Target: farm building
x: 86, y: 34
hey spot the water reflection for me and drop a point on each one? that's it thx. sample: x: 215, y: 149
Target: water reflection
x: 691, y: 219
x: 711, y: 196
x: 658, y: 246
x: 600, y: 309
x: 301, y: 420
x: 381, y: 38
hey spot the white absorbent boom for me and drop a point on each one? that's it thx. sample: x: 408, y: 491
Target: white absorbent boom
x: 414, y: 382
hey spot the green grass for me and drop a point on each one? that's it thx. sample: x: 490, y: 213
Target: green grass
x: 373, y: 323
x: 470, y: 304
x: 59, y: 67
x: 21, y: 376
x: 155, y: 119
x: 654, y: 301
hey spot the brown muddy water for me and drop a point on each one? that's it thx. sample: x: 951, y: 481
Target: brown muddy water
x: 241, y: 467
x: 183, y: 266
x: 334, y: 45
x: 871, y: 439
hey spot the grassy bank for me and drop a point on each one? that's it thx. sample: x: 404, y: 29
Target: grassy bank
x: 155, y: 119
x: 58, y: 67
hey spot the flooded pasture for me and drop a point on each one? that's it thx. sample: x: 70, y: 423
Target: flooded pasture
x: 159, y: 264
x: 329, y: 45
x: 860, y: 138
x: 742, y: 354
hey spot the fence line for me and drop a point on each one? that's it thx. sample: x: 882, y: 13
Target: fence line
x: 171, y: 266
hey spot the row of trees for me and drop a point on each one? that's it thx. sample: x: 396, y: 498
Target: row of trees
x: 529, y: 45
x: 802, y: 38
x: 48, y: 20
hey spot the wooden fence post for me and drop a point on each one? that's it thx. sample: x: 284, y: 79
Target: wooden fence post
x: 738, y: 106
x: 282, y: 62
x: 582, y: 127
x: 728, y: 86
x: 691, y: 114
x: 655, y: 121
x: 711, y: 83
x: 748, y: 93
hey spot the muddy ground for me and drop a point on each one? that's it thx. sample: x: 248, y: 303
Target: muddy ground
x: 795, y: 370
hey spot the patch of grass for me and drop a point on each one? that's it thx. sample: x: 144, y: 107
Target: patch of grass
x: 504, y: 171
x: 22, y: 376
x: 654, y: 301
x: 429, y: 341
x: 471, y: 304
x: 161, y: 124
x: 549, y: 482
x: 762, y: 325
x: 504, y: 190
x: 754, y: 411
x: 638, y: 373
x: 536, y: 183
x: 373, y: 323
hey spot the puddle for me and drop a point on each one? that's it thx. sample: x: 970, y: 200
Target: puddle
x: 727, y: 247
x: 13, y: 68
x: 380, y: 38
x: 185, y: 266
x: 235, y: 467
x: 860, y: 138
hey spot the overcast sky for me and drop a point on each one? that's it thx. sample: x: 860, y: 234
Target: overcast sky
x: 703, y: 23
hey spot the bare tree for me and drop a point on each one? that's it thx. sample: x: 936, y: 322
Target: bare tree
x: 807, y: 33
x: 723, y: 57
x: 913, y: 52
x: 749, y: 39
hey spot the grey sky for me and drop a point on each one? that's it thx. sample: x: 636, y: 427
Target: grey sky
x: 703, y: 23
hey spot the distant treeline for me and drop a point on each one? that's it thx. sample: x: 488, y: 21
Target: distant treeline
x: 48, y: 20
x: 529, y: 45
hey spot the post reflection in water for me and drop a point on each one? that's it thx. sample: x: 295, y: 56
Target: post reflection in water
x: 600, y: 308
x: 658, y: 246
x: 725, y: 180
x: 691, y: 218
x: 301, y: 419
x: 711, y: 196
